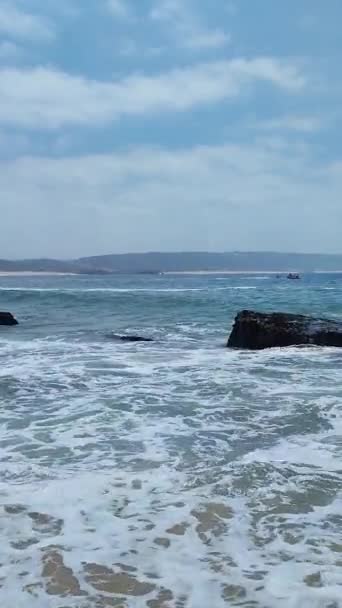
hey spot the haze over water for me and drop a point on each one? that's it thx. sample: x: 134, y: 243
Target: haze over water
x: 171, y: 474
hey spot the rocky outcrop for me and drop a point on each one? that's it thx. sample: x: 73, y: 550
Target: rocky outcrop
x: 130, y: 338
x: 256, y: 331
x: 6, y: 318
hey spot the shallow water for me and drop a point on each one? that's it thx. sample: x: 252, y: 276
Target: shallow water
x: 168, y: 474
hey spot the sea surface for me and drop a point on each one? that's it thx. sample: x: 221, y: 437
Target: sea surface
x: 170, y: 474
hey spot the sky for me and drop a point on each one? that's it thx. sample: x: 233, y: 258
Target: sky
x: 169, y: 125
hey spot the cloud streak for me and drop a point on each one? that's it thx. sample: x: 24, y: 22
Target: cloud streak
x: 297, y: 123
x: 185, y: 28
x: 19, y: 24
x: 42, y: 98
x: 118, y: 8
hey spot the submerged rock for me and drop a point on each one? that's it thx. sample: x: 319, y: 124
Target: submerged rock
x: 256, y: 331
x: 6, y: 318
x: 131, y: 338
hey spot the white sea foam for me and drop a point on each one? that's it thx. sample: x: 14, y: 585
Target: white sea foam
x: 213, y: 474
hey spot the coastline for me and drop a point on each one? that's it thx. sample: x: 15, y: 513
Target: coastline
x: 225, y: 272
x: 253, y: 272
x: 44, y: 273
x: 34, y: 273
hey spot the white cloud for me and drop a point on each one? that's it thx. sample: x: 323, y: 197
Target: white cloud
x: 220, y: 197
x: 301, y: 124
x: 185, y: 27
x: 205, y: 39
x: 18, y: 24
x: 44, y: 98
x: 118, y: 8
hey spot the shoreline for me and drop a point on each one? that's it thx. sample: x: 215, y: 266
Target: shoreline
x: 225, y: 272
x: 34, y: 273
x: 253, y: 272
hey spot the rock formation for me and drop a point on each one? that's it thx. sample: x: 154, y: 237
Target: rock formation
x: 6, y: 318
x: 130, y: 338
x: 256, y: 331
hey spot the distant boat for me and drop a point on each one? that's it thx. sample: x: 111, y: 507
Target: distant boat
x: 293, y: 276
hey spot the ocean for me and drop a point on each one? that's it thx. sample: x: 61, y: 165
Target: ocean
x: 169, y: 474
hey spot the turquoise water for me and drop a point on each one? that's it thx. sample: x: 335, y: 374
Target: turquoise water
x: 168, y: 474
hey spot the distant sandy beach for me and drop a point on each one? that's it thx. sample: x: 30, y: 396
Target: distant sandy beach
x: 254, y: 272
x: 228, y: 272
x: 29, y: 273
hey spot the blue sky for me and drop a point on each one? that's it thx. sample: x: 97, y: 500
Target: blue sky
x: 169, y: 125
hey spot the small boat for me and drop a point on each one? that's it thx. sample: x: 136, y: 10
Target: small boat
x: 293, y: 276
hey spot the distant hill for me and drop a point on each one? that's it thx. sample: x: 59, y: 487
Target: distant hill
x: 155, y: 262
x: 45, y: 265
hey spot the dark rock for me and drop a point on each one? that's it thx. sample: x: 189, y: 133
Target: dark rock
x: 256, y: 331
x: 130, y: 338
x: 6, y: 318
